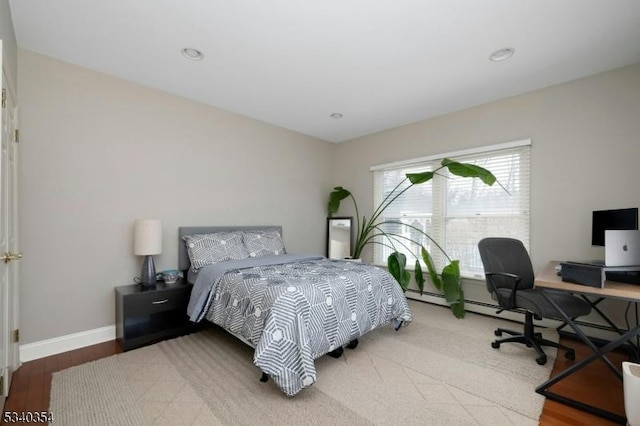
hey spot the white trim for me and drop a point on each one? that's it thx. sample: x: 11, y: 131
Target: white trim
x: 594, y: 331
x: 57, y: 345
x: 461, y: 153
x: 484, y: 310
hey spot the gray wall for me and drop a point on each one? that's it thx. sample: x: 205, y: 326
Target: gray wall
x: 586, y: 148
x: 97, y: 152
x: 9, y: 48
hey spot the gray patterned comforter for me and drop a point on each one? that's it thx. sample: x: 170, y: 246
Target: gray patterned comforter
x: 294, y: 309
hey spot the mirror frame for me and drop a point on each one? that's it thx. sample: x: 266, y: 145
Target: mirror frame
x: 329, y: 220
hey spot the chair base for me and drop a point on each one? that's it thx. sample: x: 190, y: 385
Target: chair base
x: 532, y: 340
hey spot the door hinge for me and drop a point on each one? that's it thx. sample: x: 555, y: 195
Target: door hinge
x: 4, y: 98
x: 16, y: 135
x: 16, y: 335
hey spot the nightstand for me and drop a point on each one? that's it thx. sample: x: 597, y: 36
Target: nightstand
x: 147, y: 315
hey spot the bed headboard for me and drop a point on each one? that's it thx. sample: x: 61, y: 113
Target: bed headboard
x: 183, y: 257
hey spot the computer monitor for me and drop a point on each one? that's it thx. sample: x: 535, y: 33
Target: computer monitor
x: 612, y: 219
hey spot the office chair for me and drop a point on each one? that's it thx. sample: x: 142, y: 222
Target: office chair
x: 510, y: 279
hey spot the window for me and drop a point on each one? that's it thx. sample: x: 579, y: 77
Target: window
x: 456, y: 212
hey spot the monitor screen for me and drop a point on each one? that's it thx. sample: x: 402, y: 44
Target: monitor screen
x: 612, y: 219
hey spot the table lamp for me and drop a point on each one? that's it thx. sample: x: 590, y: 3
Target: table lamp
x: 147, y: 241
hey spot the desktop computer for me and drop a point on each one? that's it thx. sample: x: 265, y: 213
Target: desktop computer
x: 617, y: 231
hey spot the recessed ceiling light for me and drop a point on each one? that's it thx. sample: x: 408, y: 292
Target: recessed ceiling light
x: 336, y: 116
x: 193, y: 54
x: 502, y: 54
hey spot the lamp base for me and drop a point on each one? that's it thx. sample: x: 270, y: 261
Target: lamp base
x: 148, y: 274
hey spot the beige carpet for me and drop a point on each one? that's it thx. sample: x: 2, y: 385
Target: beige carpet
x: 436, y: 371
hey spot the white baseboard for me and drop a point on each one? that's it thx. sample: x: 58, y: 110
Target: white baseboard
x: 480, y: 309
x: 592, y: 329
x: 57, y: 345
x: 61, y: 344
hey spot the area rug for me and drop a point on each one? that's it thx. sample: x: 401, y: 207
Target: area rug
x: 437, y: 371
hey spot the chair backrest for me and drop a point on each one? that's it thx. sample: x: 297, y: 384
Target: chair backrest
x: 506, y: 255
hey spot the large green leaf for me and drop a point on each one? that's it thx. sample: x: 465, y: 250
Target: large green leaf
x: 393, y: 264
x: 418, y: 178
x: 451, y: 282
x: 396, y: 263
x: 338, y: 194
x: 458, y: 308
x: 419, y: 276
x: 435, y: 279
x: 406, y: 279
x: 469, y: 170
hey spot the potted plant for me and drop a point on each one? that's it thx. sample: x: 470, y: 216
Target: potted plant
x: 371, y: 231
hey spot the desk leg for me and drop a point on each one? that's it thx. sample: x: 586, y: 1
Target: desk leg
x: 598, y: 353
x: 633, y: 347
x: 594, y: 306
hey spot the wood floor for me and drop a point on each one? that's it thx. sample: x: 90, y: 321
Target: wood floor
x: 31, y: 385
x: 594, y: 385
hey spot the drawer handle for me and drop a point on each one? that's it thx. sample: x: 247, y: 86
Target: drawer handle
x: 160, y: 302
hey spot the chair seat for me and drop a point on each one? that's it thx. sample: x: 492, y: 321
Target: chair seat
x: 533, y: 301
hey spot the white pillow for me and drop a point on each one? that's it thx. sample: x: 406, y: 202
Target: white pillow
x: 207, y: 249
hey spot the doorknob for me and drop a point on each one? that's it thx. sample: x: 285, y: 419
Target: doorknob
x: 8, y: 256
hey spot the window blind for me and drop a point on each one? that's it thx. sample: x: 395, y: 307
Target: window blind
x: 456, y: 212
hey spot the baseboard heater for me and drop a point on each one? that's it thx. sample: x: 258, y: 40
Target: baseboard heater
x: 439, y: 300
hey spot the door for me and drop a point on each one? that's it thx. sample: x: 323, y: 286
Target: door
x: 4, y: 311
x: 9, y: 354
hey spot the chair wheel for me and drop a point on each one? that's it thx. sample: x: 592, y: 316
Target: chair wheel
x: 542, y: 360
x: 497, y: 333
x: 353, y: 344
x: 495, y: 345
x: 570, y: 355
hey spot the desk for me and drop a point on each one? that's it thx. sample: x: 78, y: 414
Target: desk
x: 549, y: 279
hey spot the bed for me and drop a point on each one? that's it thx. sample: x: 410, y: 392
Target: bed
x: 290, y: 308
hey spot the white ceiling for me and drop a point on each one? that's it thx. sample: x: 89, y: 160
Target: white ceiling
x: 380, y: 63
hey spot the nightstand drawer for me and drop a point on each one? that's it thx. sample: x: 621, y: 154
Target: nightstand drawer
x: 156, y: 301
x: 147, y: 315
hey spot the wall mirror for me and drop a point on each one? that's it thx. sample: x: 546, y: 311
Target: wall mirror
x: 339, y: 237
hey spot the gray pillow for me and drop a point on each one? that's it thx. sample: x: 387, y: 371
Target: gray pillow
x: 263, y: 243
x: 207, y: 249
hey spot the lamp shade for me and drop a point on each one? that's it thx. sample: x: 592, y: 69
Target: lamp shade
x: 147, y: 237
